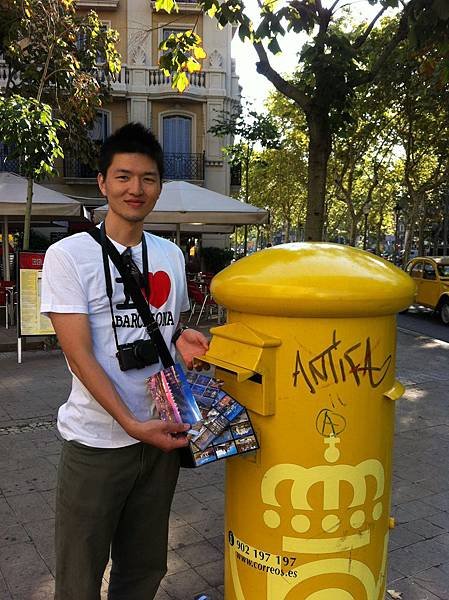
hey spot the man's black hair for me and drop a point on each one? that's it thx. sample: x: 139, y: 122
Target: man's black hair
x: 132, y: 138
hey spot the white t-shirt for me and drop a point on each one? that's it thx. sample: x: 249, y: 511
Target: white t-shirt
x: 73, y: 281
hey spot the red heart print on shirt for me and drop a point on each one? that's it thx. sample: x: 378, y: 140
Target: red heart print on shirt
x: 160, y: 286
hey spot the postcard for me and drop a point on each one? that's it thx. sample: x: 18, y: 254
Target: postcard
x: 226, y: 428
x: 173, y: 396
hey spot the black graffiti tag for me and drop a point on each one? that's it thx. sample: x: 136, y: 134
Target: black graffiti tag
x: 335, y: 364
x: 329, y: 423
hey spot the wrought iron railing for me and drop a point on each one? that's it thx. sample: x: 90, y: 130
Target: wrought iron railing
x: 184, y: 166
x: 176, y: 166
x: 75, y: 169
x: 13, y: 165
x: 236, y: 174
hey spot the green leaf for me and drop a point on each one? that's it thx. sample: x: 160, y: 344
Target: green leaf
x: 212, y: 10
x: 167, y: 5
x: 274, y: 47
x: 244, y: 32
x: 180, y: 81
x: 199, y: 53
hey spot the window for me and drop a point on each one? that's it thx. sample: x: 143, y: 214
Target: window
x: 167, y: 31
x: 429, y: 271
x: 416, y: 270
x: 443, y: 270
x: 100, y: 129
x: 82, y: 39
x: 179, y: 161
x: 177, y: 134
x: 73, y: 167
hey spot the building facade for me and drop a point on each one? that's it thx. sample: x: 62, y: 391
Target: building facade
x: 143, y: 94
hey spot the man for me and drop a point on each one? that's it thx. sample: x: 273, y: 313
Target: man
x: 119, y: 464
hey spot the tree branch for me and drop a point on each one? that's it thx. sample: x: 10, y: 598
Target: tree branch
x: 282, y: 85
x: 300, y: 6
x: 362, y: 38
x: 399, y: 36
x: 334, y: 6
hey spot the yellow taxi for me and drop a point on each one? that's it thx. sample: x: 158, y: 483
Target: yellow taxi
x: 431, y: 276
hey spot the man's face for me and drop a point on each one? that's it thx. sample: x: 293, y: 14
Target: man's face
x: 132, y: 186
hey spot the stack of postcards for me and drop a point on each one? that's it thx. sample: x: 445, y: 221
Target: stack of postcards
x: 220, y: 426
x: 226, y: 429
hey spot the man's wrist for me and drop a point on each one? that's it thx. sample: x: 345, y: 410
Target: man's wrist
x: 178, y: 333
x: 130, y: 424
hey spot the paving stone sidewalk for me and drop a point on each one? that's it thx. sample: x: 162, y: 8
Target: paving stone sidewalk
x: 29, y: 448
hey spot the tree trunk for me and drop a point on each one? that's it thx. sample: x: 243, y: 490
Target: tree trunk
x: 353, y: 230
x: 436, y: 239
x: 320, y: 144
x: 27, y: 223
x: 410, y: 228
x: 421, y: 228
x: 379, y: 233
x: 287, y: 231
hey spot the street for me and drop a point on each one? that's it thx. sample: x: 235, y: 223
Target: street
x: 419, y: 544
x: 425, y: 321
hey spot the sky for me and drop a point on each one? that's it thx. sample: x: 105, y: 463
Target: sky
x: 246, y: 56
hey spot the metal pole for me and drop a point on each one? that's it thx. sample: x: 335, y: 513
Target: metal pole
x: 396, y: 239
x: 6, y: 270
x: 178, y: 235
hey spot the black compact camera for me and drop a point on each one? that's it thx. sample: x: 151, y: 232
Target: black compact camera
x: 137, y: 355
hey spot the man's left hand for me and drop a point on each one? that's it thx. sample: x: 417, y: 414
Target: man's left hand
x: 192, y: 343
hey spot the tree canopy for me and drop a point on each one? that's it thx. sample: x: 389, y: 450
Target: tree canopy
x: 332, y: 63
x: 389, y: 163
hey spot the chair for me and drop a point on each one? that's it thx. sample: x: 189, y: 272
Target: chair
x: 7, y: 300
x: 200, y: 298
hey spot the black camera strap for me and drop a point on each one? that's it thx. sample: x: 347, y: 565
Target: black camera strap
x: 132, y: 288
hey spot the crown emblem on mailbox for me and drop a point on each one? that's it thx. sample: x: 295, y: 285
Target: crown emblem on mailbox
x: 337, y: 520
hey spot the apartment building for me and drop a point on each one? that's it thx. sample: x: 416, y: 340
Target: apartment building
x: 143, y: 94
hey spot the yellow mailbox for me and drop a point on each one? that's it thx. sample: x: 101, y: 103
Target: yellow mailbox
x: 309, y: 349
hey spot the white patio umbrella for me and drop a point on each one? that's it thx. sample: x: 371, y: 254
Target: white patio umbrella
x: 47, y: 204
x: 181, y: 202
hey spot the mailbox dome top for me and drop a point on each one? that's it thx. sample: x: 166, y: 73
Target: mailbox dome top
x: 314, y: 279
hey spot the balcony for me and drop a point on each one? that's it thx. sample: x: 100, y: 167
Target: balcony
x: 11, y: 166
x: 98, y: 4
x: 141, y: 79
x: 118, y: 86
x: 4, y: 73
x: 74, y: 169
x: 185, y: 6
x: 188, y: 167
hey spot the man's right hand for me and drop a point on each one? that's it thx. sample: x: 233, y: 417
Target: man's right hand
x: 160, y: 434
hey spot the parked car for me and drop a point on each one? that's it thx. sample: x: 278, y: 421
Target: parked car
x: 431, y: 276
